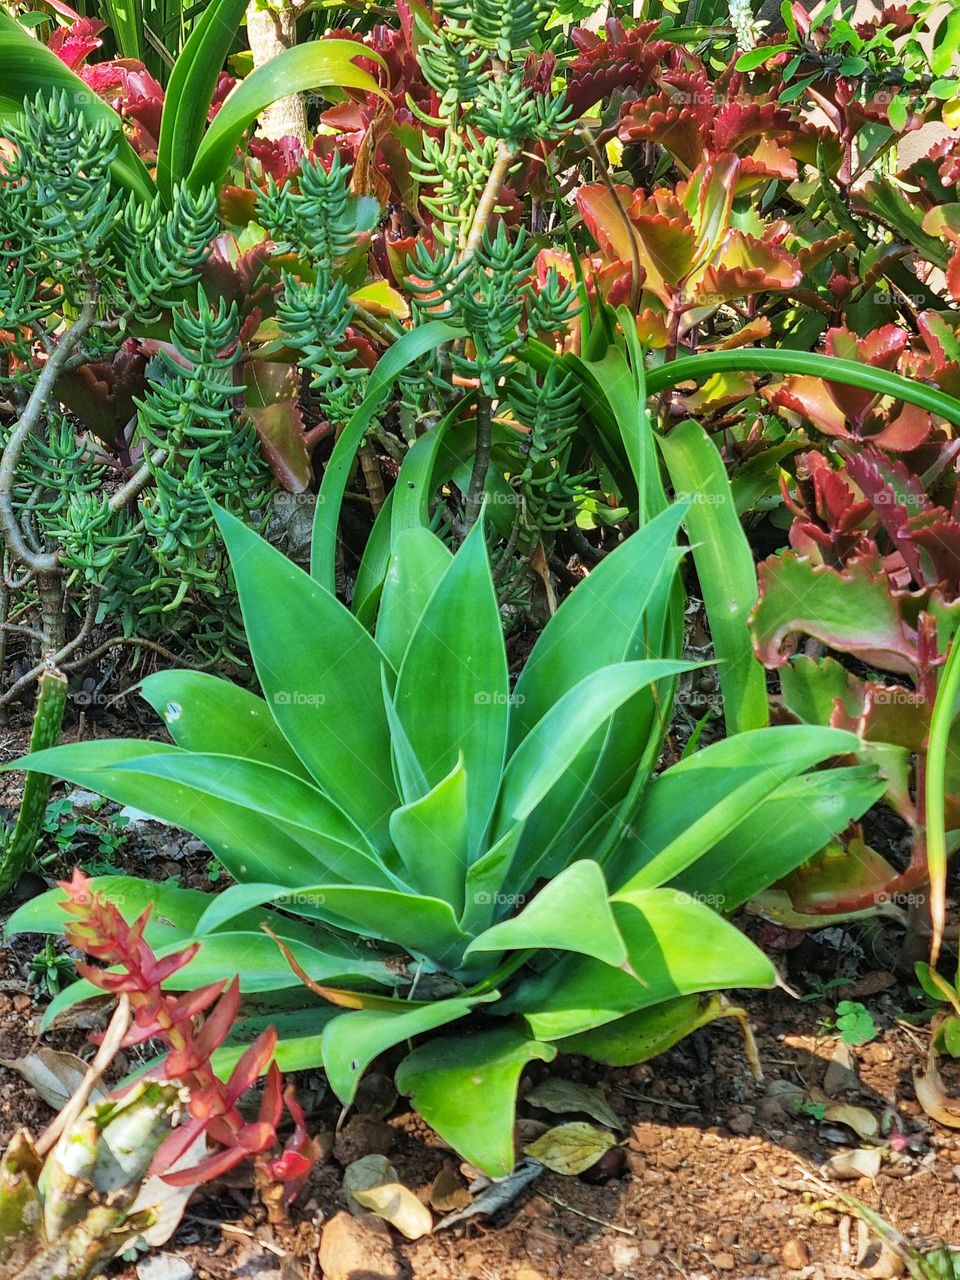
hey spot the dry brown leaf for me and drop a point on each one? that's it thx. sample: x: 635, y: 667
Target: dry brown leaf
x: 561, y: 1096
x: 55, y: 1075
x: 853, y: 1164
x: 932, y: 1096
x: 448, y: 1191
x: 397, y: 1205
x: 571, y: 1148
x: 863, y: 1122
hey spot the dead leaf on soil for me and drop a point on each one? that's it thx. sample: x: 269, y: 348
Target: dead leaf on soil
x: 497, y: 1195
x: 571, y: 1148
x: 863, y: 1122
x: 371, y: 1183
x: 448, y: 1192
x: 932, y: 1096
x: 562, y: 1096
x: 55, y: 1075
x: 846, y: 1165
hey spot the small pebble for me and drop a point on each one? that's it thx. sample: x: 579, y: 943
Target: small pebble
x: 795, y: 1254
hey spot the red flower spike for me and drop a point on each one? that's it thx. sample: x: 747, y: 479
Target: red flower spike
x: 98, y: 928
x: 251, y: 1066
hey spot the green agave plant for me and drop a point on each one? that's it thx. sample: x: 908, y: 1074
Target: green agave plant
x: 430, y: 848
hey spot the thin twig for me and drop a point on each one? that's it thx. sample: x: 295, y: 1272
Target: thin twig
x: 600, y: 1222
x: 112, y: 1039
x: 57, y: 363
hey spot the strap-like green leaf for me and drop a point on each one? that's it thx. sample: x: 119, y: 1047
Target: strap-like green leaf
x: 316, y: 65
x: 416, y: 567
x: 186, y: 103
x: 761, y: 360
x: 204, y: 713
x: 692, y: 806
x: 791, y: 825
x: 320, y: 672
x: 422, y: 926
x: 570, y: 913
x: 453, y: 690
x: 725, y: 568
x: 249, y: 845
x: 466, y: 1089
x: 431, y: 836
x: 414, y: 344
x: 543, y: 756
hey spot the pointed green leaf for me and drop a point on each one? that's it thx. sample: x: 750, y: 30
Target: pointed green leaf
x: 693, y: 805
x: 658, y: 925
x: 416, y: 567
x: 204, y: 713
x: 544, y: 755
x: 600, y: 623
x: 725, y: 568
x: 430, y: 836
x: 293, y: 804
x: 404, y: 352
x: 320, y: 672
x: 423, y: 926
x: 453, y: 691
x: 352, y: 1040
x: 316, y: 65
x: 570, y: 913
x: 800, y: 818
x: 189, y: 93
x: 248, y: 845
x: 466, y: 1089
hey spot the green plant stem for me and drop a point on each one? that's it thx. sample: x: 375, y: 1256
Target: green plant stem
x: 938, y: 745
x: 488, y: 199
x: 47, y: 720
x: 761, y: 360
x: 481, y: 462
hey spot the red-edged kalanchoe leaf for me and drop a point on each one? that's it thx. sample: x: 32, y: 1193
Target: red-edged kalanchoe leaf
x: 850, y: 413
x: 279, y: 158
x: 944, y: 223
x: 894, y: 494
x: 851, y: 610
x: 747, y: 266
x: 74, y: 44
x: 659, y: 119
x: 624, y: 60
x: 936, y: 536
x: 272, y: 403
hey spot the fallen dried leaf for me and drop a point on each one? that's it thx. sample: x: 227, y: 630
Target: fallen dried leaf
x: 448, y: 1191
x: 863, y: 1122
x: 853, y: 1164
x: 571, y: 1148
x: 932, y: 1096
x: 563, y: 1096
x: 55, y: 1075
x: 497, y: 1195
x: 397, y: 1205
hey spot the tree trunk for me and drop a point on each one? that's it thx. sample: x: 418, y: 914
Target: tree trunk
x: 270, y: 30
